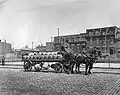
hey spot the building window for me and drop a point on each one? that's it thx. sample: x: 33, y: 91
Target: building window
x: 91, y: 33
x: 103, y: 42
x: 75, y: 39
x: 57, y: 40
x: 78, y: 46
x: 66, y: 39
x: 108, y: 31
x: 71, y: 39
x: 72, y: 46
x: 111, y: 41
x: 62, y: 40
x: 96, y: 32
x: 97, y: 41
x: 79, y: 38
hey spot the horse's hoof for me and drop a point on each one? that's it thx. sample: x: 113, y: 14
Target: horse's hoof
x: 76, y: 71
x: 79, y: 72
x: 67, y: 73
x: 72, y: 72
x: 90, y: 72
x: 86, y: 74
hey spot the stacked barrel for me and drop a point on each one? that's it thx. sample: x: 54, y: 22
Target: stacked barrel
x: 44, y: 57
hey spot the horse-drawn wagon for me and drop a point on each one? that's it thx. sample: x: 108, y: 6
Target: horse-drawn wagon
x: 59, y: 63
x: 64, y: 61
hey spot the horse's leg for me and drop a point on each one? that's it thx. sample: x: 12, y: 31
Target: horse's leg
x: 72, y: 67
x: 76, y: 67
x: 86, y: 68
x: 79, y: 68
x: 90, y: 67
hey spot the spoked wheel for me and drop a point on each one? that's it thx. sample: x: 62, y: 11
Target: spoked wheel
x: 58, y: 69
x: 27, y: 66
x: 66, y: 68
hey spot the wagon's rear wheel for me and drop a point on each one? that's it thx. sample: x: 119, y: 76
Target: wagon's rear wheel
x: 58, y: 70
x: 27, y: 66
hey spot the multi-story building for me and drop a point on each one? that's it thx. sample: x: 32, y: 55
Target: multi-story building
x: 75, y: 41
x: 107, y: 39
x: 103, y: 38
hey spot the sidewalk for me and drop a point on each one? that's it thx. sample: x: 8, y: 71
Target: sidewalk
x: 11, y: 67
x: 106, y: 70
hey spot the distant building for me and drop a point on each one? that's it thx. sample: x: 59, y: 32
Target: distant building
x: 40, y: 48
x: 103, y: 38
x: 5, y: 47
x: 76, y: 42
x: 107, y: 39
x: 49, y: 46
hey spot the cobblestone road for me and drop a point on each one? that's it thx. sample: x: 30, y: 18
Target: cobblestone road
x: 18, y: 82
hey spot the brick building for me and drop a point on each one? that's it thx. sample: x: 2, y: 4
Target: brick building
x: 103, y: 38
x: 76, y: 41
x: 107, y: 39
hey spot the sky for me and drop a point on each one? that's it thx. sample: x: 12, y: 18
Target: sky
x: 25, y: 21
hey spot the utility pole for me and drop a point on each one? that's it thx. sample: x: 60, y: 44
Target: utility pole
x: 58, y: 34
x: 58, y: 38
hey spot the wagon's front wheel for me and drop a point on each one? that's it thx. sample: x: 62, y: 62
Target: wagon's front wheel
x: 27, y: 66
x: 58, y: 70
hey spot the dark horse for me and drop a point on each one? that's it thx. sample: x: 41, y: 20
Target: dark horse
x: 87, y: 58
x: 69, y: 60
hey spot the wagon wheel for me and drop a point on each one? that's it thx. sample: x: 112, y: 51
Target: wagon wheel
x: 66, y: 68
x: 27, y: 66
x: 59, y: 69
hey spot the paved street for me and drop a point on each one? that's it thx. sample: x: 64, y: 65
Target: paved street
x: 18, y: 82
